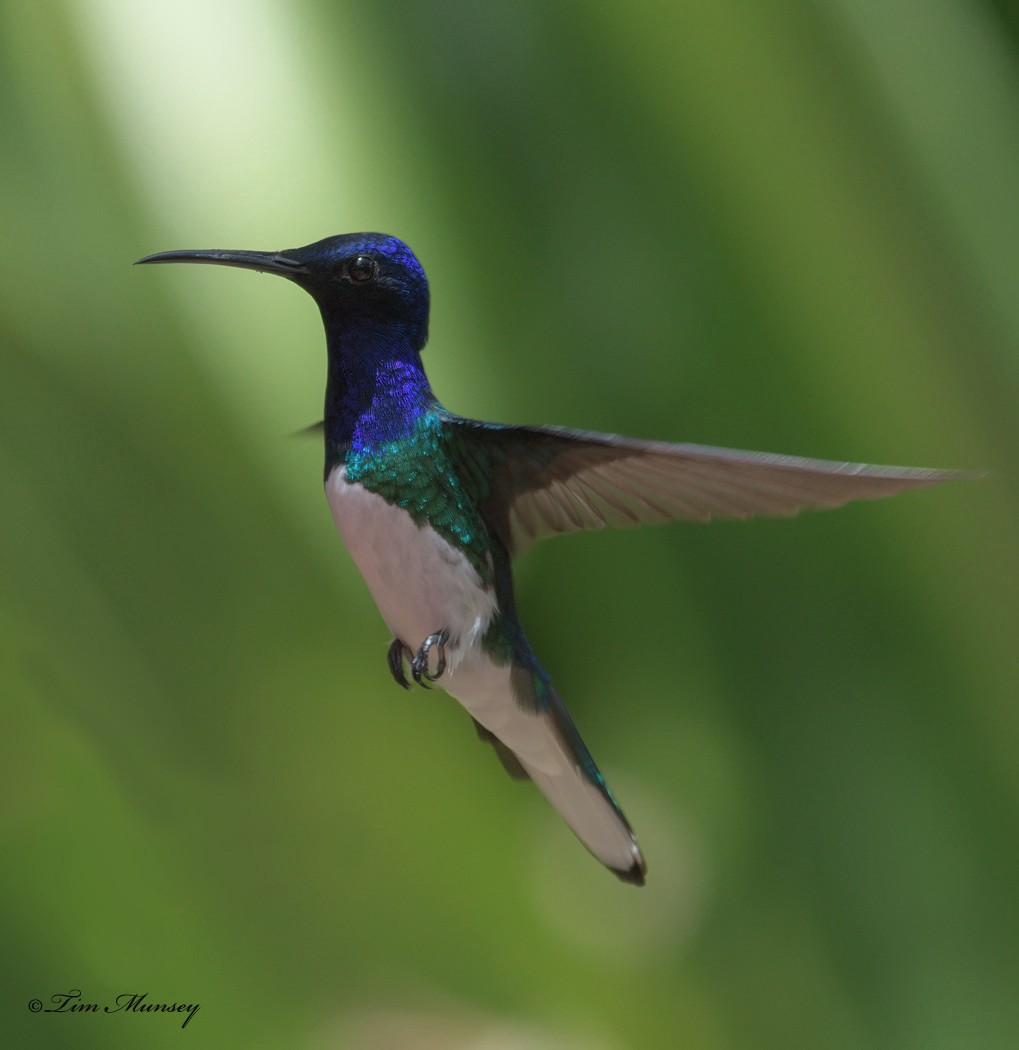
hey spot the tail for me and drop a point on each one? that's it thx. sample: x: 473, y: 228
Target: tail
x: 517, y: 709
x: 575, y: 786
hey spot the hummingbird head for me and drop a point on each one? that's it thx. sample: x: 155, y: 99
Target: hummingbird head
x: 356, y: 278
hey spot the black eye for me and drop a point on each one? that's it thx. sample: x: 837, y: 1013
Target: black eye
x: 362, y: 268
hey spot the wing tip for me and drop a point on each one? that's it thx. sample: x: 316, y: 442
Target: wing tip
x: 918, y: 477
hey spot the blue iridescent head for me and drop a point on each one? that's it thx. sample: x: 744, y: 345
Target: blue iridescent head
x: 365, y: 276
x: 357, y: 279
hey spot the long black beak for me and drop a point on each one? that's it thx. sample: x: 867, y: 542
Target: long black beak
x: 266, y: 262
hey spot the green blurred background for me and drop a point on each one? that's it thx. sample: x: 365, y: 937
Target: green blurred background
x: 789, y: 225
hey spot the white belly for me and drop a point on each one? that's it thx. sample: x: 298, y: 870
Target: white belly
x: 420, y: 582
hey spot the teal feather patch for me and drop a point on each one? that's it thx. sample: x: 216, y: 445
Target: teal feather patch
x: 418, y: 472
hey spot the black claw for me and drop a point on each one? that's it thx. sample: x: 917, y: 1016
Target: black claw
x: 395, y: 660
x: 419, y: 664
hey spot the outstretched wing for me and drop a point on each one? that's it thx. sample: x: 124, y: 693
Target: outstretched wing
x: 550, y: 480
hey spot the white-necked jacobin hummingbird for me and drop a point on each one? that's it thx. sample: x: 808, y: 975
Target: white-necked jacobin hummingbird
x: 433, y: 507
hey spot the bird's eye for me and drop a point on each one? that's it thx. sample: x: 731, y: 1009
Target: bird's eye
x: 362, y: 268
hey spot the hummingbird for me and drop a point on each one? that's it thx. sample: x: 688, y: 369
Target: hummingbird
x: 433, y: 508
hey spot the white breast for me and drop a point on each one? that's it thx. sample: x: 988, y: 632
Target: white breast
x: 421, y: 584
x: 419, y: 581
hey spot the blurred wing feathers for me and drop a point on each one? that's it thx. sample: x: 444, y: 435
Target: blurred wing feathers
x: 550, y: 480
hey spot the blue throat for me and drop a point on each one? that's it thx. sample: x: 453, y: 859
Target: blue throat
x: 386, y: 428
x: 376, y: 389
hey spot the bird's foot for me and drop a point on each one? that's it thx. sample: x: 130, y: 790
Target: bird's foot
x: 419, y: 665
x: 395, y: 660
